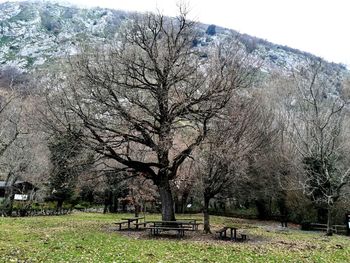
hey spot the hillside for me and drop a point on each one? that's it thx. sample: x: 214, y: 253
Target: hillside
x: 34, y: 33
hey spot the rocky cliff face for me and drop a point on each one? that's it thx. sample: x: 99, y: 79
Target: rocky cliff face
x: 34, y: 33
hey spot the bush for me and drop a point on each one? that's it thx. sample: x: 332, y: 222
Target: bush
x: 300, y: 208
x: 82, y: 206
x: 306, y: 225
x: 211, y: 30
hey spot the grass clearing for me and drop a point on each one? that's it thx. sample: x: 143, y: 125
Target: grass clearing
x: 86, y: 237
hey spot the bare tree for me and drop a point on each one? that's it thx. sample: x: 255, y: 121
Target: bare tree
x: 185, y: 184
x: 232, y: 142
x: 147, y: 89
x: 317, y: 126
x: 141, y: 190
x: 11, y: 157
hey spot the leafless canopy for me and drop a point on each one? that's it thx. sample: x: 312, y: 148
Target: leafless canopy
x: 152, y: 91
x: 317, y: 128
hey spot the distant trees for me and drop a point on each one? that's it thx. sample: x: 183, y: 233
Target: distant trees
x: 65, y: 151
x: 184, y: 185
x: 244, y: 131
x: 114, y: 187
x: 211, y: 30
x: 317, y: 127
x: 23, y: 153
x: 10, y: 130
x: 50, y: 23
x: 12, y: 78
x: 146, y: 90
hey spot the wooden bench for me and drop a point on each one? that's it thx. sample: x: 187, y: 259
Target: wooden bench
x: 321, y: 227
x: 338, y: 229
x: 233, y: 234
x: 195, y: 225
x: 134, y: 220
x: 243, y: 237
x: 222, y: 232
x: 179, y: 226
x: 120, y: 224
x: 156, y: 230
x: 192, y: 221
x: 190, y: 226
x: 144, y: 224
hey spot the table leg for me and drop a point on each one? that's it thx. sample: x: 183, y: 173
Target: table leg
x: 129, y: 224
x: 235, y: 233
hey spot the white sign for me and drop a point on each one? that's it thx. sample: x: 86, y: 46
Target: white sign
x: 21, y: 197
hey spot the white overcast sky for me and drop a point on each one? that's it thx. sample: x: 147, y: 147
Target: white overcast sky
x: 321, y: 27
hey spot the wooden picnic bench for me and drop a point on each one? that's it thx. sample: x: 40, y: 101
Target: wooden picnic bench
x: 190, y: 220
x: 233, y: 234
x: 156, y: 230
x: 160, y: 226
x: 133, y: 219
x: 144, y: 224
x: 193, y: 222
x: 120, y: 224
x: 129, y: 221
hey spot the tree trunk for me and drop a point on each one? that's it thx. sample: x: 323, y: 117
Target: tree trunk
x: 261, y: 206
x: 166, y: 198
x: 206, y: 215
x: 322, y: 214
x: 137, y: 209
x: 177, y: 205
x: 107, y: 202
x: 59, y: 204
x: 9, y: 197
x: 329, y: 222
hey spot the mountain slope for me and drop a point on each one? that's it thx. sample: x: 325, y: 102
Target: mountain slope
x: 34, y: 33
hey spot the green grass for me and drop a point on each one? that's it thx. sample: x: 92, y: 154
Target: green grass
x: 84, y: 237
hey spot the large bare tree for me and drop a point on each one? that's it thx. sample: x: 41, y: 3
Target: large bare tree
x: 246, y: 130
x: 150, y: 90
x: 317, y: 127
x: 13, y: 157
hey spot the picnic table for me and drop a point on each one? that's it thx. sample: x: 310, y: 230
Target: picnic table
x: 128, y: 221
x: 223, y: 232
x: 179, y: 226
x: 193, y: 222
x: 133, y: 219
x: 233, y: 234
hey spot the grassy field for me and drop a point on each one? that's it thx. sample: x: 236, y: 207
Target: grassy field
x: 88, y: 237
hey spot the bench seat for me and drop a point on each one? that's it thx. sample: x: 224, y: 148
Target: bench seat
x: 120, y: 224
x: 243, y: 237
x: 221, y: 230
x: 155, y: 230
x: 144, y: 224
